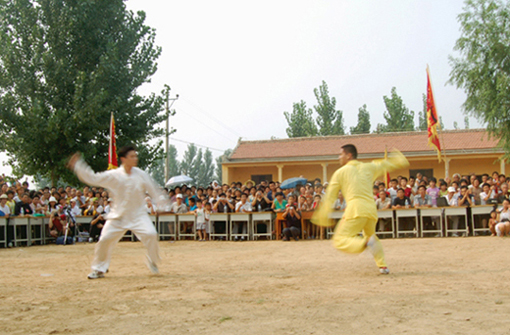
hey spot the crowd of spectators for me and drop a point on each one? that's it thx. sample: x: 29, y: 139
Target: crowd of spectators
x: 63, y: 205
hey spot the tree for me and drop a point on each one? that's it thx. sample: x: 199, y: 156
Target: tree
x: 206, y: 173
x: 219, y: 162
x: 157, y: 169
x: 64, y: 67
x: 441, y: 124
x: 301, y: 123
x: 196, y: 167
x: 466, y: 122
x: 397, y: 115
x: 455, y: 125
x: 329, y: 120
x: 482, y: 68
x: 363, y: 126
x: 188, y: 160
x: 422, y: 116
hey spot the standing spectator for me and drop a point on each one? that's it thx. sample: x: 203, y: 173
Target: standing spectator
x: 200, y: 222
x: 260, y: 202
x: 75, y: 209
x: 465, y: 199
x: 504, y: 192
x: 5, y: 210
x: 488, y: 193
x: 392, y: 190
x: 493, y: 222
x: 433, y: 191
x: 407, y: 189
x: 340, y: 203
x: 178, y: 207
x: 443, y: 189
x: 476, y: 190
x: 242, y: 206
x: 292, y: 224
x: 149, y: 206
x: 279, y: 203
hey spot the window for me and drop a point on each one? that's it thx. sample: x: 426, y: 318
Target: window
x: 429, y: 173
x: 257, y: 178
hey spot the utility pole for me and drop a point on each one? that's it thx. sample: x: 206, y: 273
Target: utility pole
x: 167, y: 132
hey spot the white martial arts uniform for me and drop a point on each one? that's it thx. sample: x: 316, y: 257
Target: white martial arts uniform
x: 127, y: 210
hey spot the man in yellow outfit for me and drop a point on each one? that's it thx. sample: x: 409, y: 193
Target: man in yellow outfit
x: 355, y: 180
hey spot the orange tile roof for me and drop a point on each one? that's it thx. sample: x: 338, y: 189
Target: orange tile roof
x: 367, y: 144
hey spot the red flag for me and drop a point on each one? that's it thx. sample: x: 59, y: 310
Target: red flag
x: 112, y: 148
x: 432, y: 119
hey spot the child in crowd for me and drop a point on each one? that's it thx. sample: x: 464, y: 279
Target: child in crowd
x: 207, y: 216
x: 493, y: 222
x: 433, y: 191
x: 200, y: 225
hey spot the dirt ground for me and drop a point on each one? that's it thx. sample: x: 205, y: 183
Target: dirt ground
x: 437, y: 286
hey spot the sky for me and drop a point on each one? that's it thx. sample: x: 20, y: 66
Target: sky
x: 238, y: 65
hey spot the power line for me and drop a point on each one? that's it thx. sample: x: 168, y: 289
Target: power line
x: 198, y: 145
x: 210, y: 115
x: 217, y: 132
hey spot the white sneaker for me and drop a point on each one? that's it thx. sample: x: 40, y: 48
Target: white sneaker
x: 384, y: 271
x: 95, y: 275
x: 374, y: 245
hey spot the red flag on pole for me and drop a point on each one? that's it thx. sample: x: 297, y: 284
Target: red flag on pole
x: 112, y: 148
x: 432, y: 119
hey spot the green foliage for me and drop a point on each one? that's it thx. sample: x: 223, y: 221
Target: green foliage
x: 329, y: 120
x: 188, y: 159
x: 455, y: 125
x: 219, y: 162
x: 482, y: 68
x: 422, y: 116
x: 206, y: 171
x: 64, y: 67
x: 157, y: 169
x: 397, y: 115
x: 301, y: 123
x: 466, y: 122
x: 363, y: 126
x: 441, y: 124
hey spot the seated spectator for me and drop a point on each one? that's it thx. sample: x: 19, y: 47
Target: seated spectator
x: 316, y: 201
x: 75, y: 209
x: 503, y: 226
x: 401, y: 201
x: 5, y: 210
x: 340, y: 203
x: 383, y: 203
x: 488, y: 193
x: 279, y: 203
x: 178, y: 207
x: 37, y: 207
x: 504, y: 193
x: 94, y: 208
x: 52, y: 206
x: 96, y: 226
x: 108, y: 206
x: 23, y: 207
x: 58, y: 223
x: 149, y: 207
x: 475, y: 190
x: 261, y: 202
x: 443, y: 188
x: 422, y: 199
x: 242, y: 206
x: 292, y: 224
x: 465, y: 199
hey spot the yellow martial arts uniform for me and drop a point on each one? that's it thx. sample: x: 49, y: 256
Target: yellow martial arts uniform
x: 356, y: 179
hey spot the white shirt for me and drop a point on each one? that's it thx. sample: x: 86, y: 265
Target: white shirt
x: 76, y: 211
x: 5, y: 209
x: 128, y: 191
x: 243, y: 208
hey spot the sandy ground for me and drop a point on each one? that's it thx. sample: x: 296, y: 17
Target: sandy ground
x: 437, y: 286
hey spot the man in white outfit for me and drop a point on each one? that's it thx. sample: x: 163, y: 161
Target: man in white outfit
x: 127, y: 185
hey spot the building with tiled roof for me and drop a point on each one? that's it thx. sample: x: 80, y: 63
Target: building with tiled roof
x: 464, y: 152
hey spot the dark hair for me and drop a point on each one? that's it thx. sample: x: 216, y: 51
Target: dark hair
x: 208, y: 203
x: 463, y: 187
x: 279, y: 193
x: 422, y: 186
x: 485, y: 184
x: 403, y: 178
x: 193, y: 200
x: 501, y: 175
x: 222, y: 194
x: 124, y: 150
x: 394, y: 179
x: 433, y: 179
x: 382, y: 183
x: 401, y: 189
x: 350, y: 149
x: 463, y: 181
x: 413, y: 177
x: 443, y: 183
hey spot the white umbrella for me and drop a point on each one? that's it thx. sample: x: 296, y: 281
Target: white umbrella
x: 178, y: 180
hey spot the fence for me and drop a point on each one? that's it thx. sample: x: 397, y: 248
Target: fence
x: 437, y: 222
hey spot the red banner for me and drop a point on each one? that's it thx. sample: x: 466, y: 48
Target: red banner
x: 432, y: 119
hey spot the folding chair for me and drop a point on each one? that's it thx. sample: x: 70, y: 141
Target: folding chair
x: 188, y: 218
x: 165, y: 224
x: 218, y: 217
x: 386, y: 214
x: 454, y: 212
x: 408, y: 213
x: 239, y: 218
x: 431, y: 213
x: 337, y: 216
x: 478, y: 213
x: 262, y: 217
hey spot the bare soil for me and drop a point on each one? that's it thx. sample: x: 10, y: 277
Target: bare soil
x: 437, y: 286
